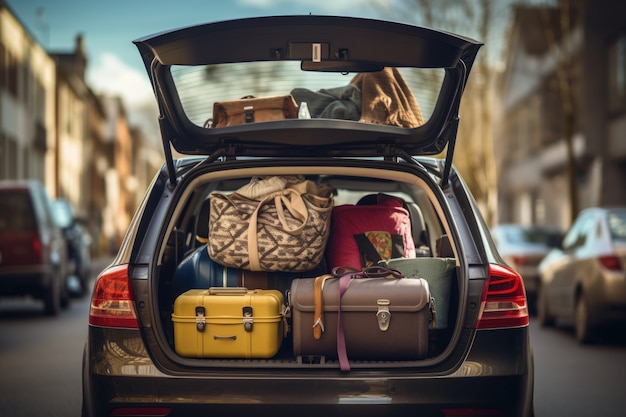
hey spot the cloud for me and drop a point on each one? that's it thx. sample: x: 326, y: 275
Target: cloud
x: 113, y: 77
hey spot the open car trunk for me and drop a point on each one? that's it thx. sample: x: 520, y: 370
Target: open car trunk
x: 184, y: 264
x: 339, y: 102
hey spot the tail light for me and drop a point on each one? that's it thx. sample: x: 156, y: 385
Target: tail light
x: 503, y: 303
x: 611, y: 262
x: 112, y: 302
x: 36, y: 245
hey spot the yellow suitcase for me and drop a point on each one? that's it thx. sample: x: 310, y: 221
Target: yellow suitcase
x: 229, y: 323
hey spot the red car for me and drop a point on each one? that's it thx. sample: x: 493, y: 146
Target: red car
x: 33, y: 254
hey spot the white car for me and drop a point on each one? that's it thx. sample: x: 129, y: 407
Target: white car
x: 584, y: 281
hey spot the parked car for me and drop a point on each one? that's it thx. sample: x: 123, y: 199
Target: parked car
x: 583, y: 282
x: 523, y: 248
x: 382, y: 99
x: 33, y: 256
x: 78, y: 242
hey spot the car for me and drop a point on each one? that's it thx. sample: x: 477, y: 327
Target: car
x: 582, y: 281
x: 78, y: 242
x: 378, y: 129
x: 523, y: 247
x: 33, y: 257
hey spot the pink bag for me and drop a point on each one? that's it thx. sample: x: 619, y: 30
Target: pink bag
x: 388, y: 217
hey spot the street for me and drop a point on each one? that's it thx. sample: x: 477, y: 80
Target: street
x: 574, y: 380
x: 40, y: 363
x: 40, y: 359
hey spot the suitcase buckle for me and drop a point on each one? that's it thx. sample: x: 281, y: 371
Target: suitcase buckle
x: 383, y: 315
x: 200, y: 318
x: 247, y: 318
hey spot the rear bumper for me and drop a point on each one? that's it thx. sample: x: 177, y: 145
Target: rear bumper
x: 23, y: 280
x: 496, y: 375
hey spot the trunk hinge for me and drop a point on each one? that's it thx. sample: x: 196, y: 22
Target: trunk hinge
x: 164, y: 124
x: 390, y: 153
x: 451, y: 131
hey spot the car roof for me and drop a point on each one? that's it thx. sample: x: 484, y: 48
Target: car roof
x: 344, y: 45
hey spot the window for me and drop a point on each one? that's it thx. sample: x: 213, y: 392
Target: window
x: 12, y: 74
x: 617, y: 224
x: 617, y: 73
x: 3, y: 70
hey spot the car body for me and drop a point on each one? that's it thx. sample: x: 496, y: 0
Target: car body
x: 523, y: 248
x: 78, y: 242
x: 480, y: 364
x: 33, y: 255
x: 584, y: 281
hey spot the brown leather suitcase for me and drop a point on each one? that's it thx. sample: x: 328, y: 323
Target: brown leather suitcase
x: 254, y: 109
x: 382, y: 318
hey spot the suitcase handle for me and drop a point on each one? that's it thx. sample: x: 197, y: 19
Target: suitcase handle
x: 228, y: 291
x: 217, y: 337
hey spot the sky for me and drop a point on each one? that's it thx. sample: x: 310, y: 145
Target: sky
x: 109, y: 27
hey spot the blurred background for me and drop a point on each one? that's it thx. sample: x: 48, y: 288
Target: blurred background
x: 542, y: 137
x: 543, y: 120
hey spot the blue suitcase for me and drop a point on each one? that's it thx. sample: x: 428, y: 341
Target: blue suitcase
x: 198, y: 270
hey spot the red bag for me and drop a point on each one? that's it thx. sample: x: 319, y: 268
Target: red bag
x: 349, y: 221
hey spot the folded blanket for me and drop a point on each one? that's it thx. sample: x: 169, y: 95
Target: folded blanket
x: 386, y: 99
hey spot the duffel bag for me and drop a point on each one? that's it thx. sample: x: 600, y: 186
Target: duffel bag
x: 439, y: 272
x: 382, y: 228
x: 285, y: 230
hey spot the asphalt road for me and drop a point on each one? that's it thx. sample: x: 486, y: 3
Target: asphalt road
x: 40, y: 359
x: 576, y: 380
x: 40, y: 366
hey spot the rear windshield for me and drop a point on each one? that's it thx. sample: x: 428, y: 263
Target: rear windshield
x: 531, y: 235
x: 403, y: 97
x: 617, y: 224
x: 16, y: 212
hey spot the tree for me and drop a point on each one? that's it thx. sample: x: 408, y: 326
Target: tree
x: 557, y: 39
x: 484, y: 20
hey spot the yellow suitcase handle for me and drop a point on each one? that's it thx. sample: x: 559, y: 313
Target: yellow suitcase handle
x: 228, y: 291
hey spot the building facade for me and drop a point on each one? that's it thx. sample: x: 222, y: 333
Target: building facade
x: 562, y: 83
x: 55, y: 129
x: 27, y: 103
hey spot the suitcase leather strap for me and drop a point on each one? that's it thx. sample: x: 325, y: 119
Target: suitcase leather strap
x: 318, y: 298
x: 345, y: 278
x: 342, y: 353
x: 318, y: 302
